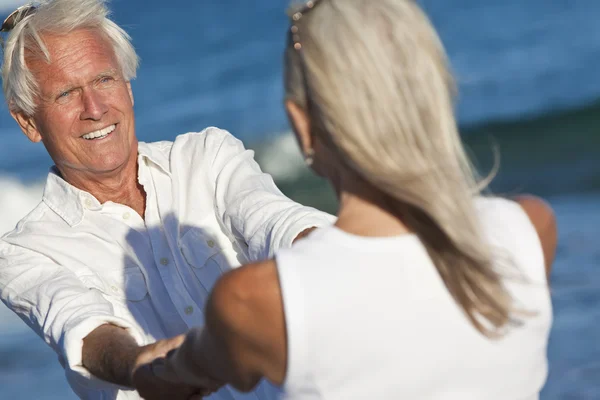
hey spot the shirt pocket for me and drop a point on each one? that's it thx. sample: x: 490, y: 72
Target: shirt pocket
x: 128, y: 283
x: 204, y: 255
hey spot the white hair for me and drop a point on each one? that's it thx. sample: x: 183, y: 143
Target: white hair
x: 373, y: 77
x: 57, y: 17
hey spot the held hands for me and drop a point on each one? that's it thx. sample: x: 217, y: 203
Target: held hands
x: 155, y: 385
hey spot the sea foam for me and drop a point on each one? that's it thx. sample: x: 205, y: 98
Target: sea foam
x: 17, y: 199
x: 281, y: 158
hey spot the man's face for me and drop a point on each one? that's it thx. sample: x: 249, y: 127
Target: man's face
x: 84, y: 112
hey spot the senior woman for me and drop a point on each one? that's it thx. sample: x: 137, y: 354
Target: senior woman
x: 423, y: 288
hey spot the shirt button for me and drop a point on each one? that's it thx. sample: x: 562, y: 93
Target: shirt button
x: 88, y: 203
x: 188, y: 310
x: 211, y: 243
x: 164, y: 261
x: 114, y: 289
x: 126, y: 215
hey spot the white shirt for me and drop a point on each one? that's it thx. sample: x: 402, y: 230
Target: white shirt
x: 74, y: 264
x: 370, y: 318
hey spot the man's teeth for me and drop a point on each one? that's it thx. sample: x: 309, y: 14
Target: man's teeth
x: 99, y: 134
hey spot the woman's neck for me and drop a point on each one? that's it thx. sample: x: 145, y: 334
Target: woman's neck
x: 363, y: 212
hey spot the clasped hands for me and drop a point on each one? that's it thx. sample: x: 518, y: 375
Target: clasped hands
x: 155, y: 378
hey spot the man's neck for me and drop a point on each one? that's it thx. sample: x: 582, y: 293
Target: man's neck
x: 120, y: 187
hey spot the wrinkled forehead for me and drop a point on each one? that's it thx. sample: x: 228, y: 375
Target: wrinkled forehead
x: 50, y: 47
x: 73, y: 57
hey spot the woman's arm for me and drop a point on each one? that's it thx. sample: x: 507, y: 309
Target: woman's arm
x: 244, y: 338
x: 543, y: 219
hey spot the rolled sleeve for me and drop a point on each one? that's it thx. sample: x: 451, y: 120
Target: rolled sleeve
x: 72, y: 345
x: 280, y: 229
x: 250, y: 204
x: 53, y: 302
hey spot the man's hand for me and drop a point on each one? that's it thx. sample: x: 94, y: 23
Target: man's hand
x: 149, y: 353
x: 151, y: 387
x: 304, y: 234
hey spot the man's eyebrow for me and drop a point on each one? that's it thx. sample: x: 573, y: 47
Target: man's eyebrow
x: 108, y: 72
x: 63, y: 89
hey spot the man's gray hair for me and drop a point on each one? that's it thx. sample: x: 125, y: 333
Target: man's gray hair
x: 57, y: 17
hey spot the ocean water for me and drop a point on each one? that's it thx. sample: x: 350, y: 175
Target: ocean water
x: 529, y: 85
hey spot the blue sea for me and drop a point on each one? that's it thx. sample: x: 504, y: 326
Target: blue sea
x: 529, y: 81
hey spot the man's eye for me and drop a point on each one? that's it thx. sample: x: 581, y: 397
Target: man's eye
x: 106, y: 79
x: 64, y: 94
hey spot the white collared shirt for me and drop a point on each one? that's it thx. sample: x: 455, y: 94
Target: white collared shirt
x: 74, y: 264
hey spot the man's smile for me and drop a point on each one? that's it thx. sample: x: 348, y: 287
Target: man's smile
x: 100, y: 134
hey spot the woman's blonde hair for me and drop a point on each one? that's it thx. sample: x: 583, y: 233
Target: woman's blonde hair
x: 374, y: 79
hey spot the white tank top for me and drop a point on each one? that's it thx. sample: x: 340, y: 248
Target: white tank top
x: 370, y: 318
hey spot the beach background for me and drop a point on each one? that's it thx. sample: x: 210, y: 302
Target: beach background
x: 529, y: 84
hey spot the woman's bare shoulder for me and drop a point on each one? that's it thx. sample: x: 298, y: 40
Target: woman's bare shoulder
x: 543, y: 219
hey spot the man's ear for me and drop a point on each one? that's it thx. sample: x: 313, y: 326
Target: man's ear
x: 130, y: 92
x: 301, y: 125
x: 28, y: 126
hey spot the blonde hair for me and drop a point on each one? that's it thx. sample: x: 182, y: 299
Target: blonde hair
x: 57, y: 17
x: 373, y: 78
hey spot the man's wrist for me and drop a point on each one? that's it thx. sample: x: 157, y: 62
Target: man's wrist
x: 110, y: 353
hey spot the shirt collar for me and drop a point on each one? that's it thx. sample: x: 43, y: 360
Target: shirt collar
x: 70, y: 203
x: 154, y: 154
x: 65, y: 199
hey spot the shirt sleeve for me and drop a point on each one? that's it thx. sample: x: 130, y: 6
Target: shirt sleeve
x: 249, y: 203
x: 53, y: 302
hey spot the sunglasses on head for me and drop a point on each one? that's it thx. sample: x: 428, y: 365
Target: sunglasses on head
x: 297, y: 14
x: 15, y: 17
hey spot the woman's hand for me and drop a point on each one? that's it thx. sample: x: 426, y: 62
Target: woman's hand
x: 151, y: 381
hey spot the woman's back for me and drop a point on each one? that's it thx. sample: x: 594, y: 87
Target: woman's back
x: 371, y: 318
x: 371, y: 100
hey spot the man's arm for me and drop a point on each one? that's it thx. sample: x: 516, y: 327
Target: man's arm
x: 56, y: 305
x: 79, y: 324
x: 112, y: 354
x: 247, y: 201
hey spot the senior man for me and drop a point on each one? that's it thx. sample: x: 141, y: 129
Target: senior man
x: 129, y: 237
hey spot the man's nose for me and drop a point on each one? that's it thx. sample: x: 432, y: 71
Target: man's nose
x: 94, y: 105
